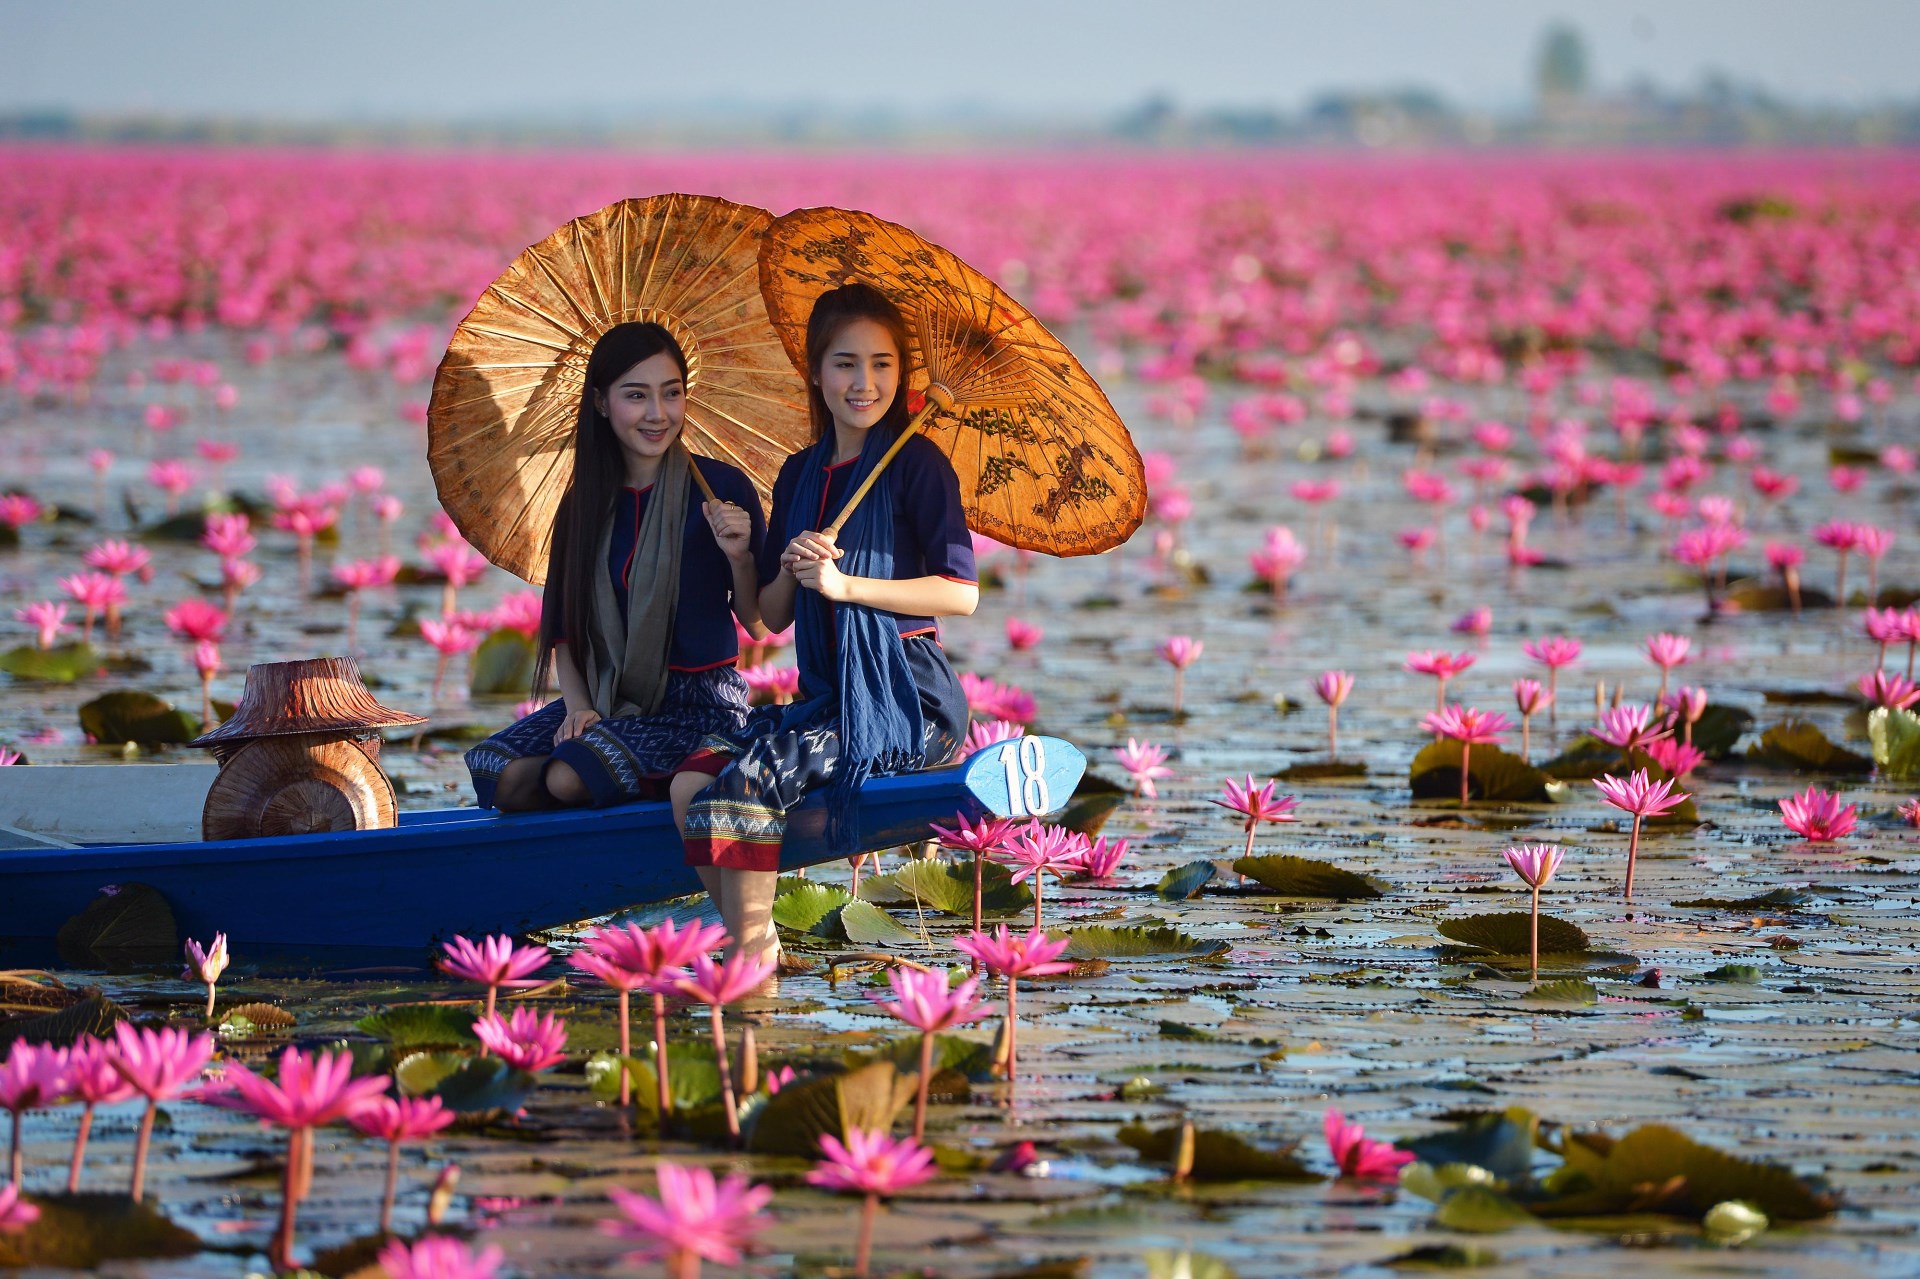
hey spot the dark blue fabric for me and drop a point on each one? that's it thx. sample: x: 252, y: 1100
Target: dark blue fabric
x: 703, y: 633
x: 930, y: 535
x: 852, y: 660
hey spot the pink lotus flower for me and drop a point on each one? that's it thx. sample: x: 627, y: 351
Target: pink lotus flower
x: 655, y: 959
x: 1841, y: 537
x: 1180, y: 652
x: 718, y: 985
x: 32, y: 1077
x: 16, y: 1214
x: 120, y: 559
x: 924, y: 1001
x: 92, y: 1081
x: 461, y: 565
x: 1631, y: 727
x: 236, y: 576
x: 984, y: 733
x: 1036, y: 849
x: 1675, y: 758
x: 447, y: 639
x: 207, y: 963
x: 1278, y: 559
x: 1256, y: 804
x: 1639, y: 795
x: 1874, y: 543
x: 1470, y: 727
x: 439, y: 1257
x: 157, y: 1064
x: 228, y: 536
x: 518, y: 611
x: 1910, y: 812
x: 1529, y: 698
x: 1442, y: 666
x: 526, y: 1040
x: 1099, y: 859
x: 982, y: 839
x: 1817, y: 816
x: 96, y: 593
x: 1333, y: 688
x: 17, y: 510
x: 771, y: 684
x: 1014, y: 956
x: 1893, y: 691
x: 993, y: 700
x: 1553, y: 652
x: 366, y: 479
x: 1667, y: 651
x: 396, y: 1121
x: 1022, y: 636
x: 48, y: 619
x: 695, y: 1217
x: 495, y: 963
x: 195, y: 619
x: 1475, y: 621
x: 1535, y: 865
x: 172, y: 478
x: 1357, y: 1156
x: 875, y: 1165
x: 1144, y: 764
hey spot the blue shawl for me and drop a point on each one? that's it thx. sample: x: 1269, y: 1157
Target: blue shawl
x: 865, y: 676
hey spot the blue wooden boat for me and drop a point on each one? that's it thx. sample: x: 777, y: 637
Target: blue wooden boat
x: 475, y: 871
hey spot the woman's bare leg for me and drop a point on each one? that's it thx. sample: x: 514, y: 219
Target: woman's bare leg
x: 565, y: 785
x: 520, y: 788
x: 680, y: 792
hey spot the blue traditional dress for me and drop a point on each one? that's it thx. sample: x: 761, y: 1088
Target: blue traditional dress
x: 877, y: 694
x: 704, y: 707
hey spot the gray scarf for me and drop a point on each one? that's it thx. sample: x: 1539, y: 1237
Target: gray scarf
x: 634, y: 684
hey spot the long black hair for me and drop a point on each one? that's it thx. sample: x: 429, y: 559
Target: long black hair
x: 832, y: 312
x: 599, y: 470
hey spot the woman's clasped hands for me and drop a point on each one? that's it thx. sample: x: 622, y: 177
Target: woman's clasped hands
x: 810, y: 558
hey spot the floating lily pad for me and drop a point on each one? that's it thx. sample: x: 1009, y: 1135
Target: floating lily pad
x: 1292, y: 876
x: 1659, y: 1169
x: 1162, y: 1263
x: 1795, y: 744
x: 258, y: 1017
x: 503, y: 664
x: 94, y: 1015
x: 1719, y: 727
x: 693, y: 1077
x: 1765, y: 595
x: 420, y: 1074
x: 1511, y: 933
x: 947, y: 887
x: 1218, y: 1156
x: 1497, y: 775
x: 683, y: 911
x: 1096, y: 941
x: 61, y: 664
x: 1896, y: 742
x: 484, y: 1084
x: 1734, y: 974
x: 1094, y: 799
x: 128, y: 715
x: 1480, y: 1210
x: 422, y: 1026
x: 1444, y: 1256
x: 1183, y: 882
x: 133, y: 924
x: 1778, y: 899
x: 794, y: 1119
x: 1585, y: 757
x: 1568, y: 990
x: 808, y: 906
x: 865, y: 924
x: 1500, y: 1141
x: 80, y: 1232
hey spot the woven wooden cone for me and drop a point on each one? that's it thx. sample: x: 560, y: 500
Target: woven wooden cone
x: 318, y: 695
x: 297, y: 785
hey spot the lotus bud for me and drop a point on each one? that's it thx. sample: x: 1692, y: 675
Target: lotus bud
x: 1733, y: 1222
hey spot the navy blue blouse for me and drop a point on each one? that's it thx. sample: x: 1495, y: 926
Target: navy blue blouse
x: 703, y: 631
x: 930, y: 537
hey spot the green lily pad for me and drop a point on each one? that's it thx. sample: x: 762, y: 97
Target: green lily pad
x: 1500, y: 1141
x: 1795, y: 744
x: 697, y: 908
x: 484, y: 1084
x: 95, y: 1015
x: 1734, y: 975
x: 421, y: 1074
x: 1511, y: 933
x: 129, y: 715
x: 422, y: 1026
x: 1585, y: 757
x: 1183, y: 882
x: 1778, y: 899
x: 1163, y: 1263
x: 1568, y: 990
x: 1096, y: 941
x: 83, y: 1231
x: 808, y: 907
x: 693, y: 1077
x: 131, y: 925
x: 794, y: 1119
x: 1497, y: 775
x: 865, y: 924
x: 1480, y: 1210
x: 1292, y: 876
x: 61, y: 664
x: 1217, y: 1155
x: 1719, y: 727
x: 1601, y: 1176
x: 503, y: 664
x: 1896, y: 742
x: 947, y: 887
x: 1444, y: 1256
x: 1094, y: 800
x: 957, y: 1063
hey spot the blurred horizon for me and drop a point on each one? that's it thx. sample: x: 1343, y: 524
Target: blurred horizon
x: 1050, y: 72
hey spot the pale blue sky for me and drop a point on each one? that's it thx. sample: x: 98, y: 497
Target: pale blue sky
x: 436, y: 60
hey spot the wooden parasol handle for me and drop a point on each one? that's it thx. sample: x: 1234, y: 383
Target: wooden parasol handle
x: 938, y: 397
x: 698, y: 478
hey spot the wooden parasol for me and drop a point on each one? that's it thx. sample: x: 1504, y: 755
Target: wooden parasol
x: 501, y: 422
x: 1044, y: 462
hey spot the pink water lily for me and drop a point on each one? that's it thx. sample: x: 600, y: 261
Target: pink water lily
x: 1144, y: 764
x: 1817, y: 816
x: 1256, y: 804
x: 873, y: 1164
x: 1037, y: 849
x: 1357, y: 1156
x: 157, y: 1064
x: 92, y: 1081
x: 207, y: 963
x: 395, y: 1121
x: 694, y: 1217
x: 1470, y: 727
x: 496, y: 963
x: 1631, y: 727
x: 1333, y: 688
x: 47, y: 618
x: 982, y: 839
x: 1180, y: 652
x: 1642, y: 797
x: 1535, y: 864
x: 526, y: 1040
x: 1442, y: 666
x: 32, y: 1077
x: 1013, y: 956
x: 928, y: 1003
x: 629, y: 958
x: 440, y: 1257
x: 717, y: 985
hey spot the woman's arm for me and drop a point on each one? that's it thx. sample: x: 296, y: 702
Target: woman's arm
x: 913, y: 596
x: 573, y: 690
x: 733, y: 531
x: 776, y: 602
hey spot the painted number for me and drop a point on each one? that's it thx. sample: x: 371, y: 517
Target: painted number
x: 1026, y: 765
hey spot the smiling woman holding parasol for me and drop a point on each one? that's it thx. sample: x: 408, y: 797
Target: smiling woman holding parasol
x: 1007, y: 435
x: 558, y: 436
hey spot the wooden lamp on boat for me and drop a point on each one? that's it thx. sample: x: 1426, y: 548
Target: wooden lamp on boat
x: 301, y: 754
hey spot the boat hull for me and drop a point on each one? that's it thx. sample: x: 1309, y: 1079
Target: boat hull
x: 466, y: 871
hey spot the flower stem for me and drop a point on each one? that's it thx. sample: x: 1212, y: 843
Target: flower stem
x: 926, y: 1077
x: 726, y: 1075
x: 863, y: 1250
x: 210, y: 987
x: 79, y: 1149
x: 282, y: 1249
x: 664, y: 1094
x: 1466, y: 771
x: 626, y: 1047
x: 140, y: 1144
x: 1633, y: 851
x: 393, y: 1183
x: 1333, y: 732
x: 685, y: 1264
x: 1013, y: 1029
x: 1252, y: 826
x: 978, y: 873
x: 1534, y: 975
x: 14, y: 1165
